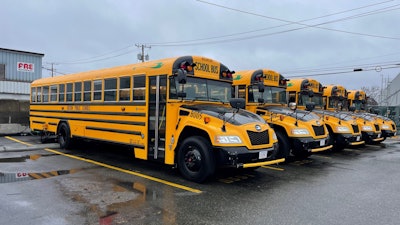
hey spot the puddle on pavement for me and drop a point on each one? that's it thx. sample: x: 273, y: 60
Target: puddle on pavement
x: 125, y: 202
x: 23, y: 176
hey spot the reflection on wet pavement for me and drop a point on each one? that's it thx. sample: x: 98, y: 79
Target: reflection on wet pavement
x: 115, y: 202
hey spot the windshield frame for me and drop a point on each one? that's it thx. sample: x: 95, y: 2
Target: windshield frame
x: 271, y: 95
x: 201, y: 89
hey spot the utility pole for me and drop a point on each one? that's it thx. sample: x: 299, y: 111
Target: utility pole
x: 142, y: 57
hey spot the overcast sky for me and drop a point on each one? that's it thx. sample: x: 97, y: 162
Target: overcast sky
x: 294, y: 37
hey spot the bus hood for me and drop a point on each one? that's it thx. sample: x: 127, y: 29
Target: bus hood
x: 230, y: 115
x: 301, y: 115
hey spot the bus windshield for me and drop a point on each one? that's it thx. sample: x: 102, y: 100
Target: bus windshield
x: 270, y: 95
x: 201, y: 89
x: 317, y: 99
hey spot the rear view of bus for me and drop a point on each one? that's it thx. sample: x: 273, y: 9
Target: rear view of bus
x: 176, y: 111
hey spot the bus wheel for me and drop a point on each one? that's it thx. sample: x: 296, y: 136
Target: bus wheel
x: 195, y: 159
x: 284, y: 146
x: 64, y: 136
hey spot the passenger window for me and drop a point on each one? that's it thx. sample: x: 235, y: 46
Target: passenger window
x: 39, y: 94
x: 110, y: 89
x: 97, y: 90
x: 69, y: 92
x: 78, y: 92
x: 139, y: 88
x: 124, y: 88
x: 61, y: 94
x: 33, y: 94
x: 46, y: 94
x: 87, y: 91
x: 53, y: 93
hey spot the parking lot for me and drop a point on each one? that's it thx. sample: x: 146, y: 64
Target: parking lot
x: 101, y: 184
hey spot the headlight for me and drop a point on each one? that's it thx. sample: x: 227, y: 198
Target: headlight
x: 228, y: 139
x: 385, y: 127
x: 366, y: 128
x: 274, y: 137
x: 300, y: 131
x: 342, y: 129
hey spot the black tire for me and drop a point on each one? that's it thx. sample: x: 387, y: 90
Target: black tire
x: 64, y: 136
x: 196, y: 160
x: 284, y: 145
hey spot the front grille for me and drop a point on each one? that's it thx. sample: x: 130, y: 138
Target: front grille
x: 258, y: 138
x: 355, y: 128
x: 377, y: 127
x: 319, y: 130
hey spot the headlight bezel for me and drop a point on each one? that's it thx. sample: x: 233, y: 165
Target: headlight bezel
x: 366, y: 128
x: 342, y: 129
x: 299, y: 131
x: 228, y: 139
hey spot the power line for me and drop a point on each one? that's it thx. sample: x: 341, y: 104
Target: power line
x: 288, y: 22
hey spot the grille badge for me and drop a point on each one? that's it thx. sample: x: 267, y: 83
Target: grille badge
x: 258, y: 127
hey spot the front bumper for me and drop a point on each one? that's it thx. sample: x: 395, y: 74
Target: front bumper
x: 370, y: 137
x: 388, y: 133
x: 311, y: 144
x: 349, y: 139
x: 242, y: 157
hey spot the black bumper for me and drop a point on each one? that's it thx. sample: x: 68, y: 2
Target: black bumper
x: 370, y: 137
x: 347, y: 139
x: 388, y: 133
x: 238, y: 156
x: 308, y: 144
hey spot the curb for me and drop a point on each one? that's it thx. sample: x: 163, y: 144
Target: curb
x: 28, y: 148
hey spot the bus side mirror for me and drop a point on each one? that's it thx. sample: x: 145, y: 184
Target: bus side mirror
x: 261, y: 87
x: 310, y: 106
x: 237, y: 103
x: 181, y: 76
x: 310, y: 94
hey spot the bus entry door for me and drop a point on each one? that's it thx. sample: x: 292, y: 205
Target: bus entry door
x: 157, y: 115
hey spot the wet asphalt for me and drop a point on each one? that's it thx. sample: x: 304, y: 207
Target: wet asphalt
x: 102, y: 184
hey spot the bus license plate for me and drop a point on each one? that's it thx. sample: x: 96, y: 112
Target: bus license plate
x: 322, y: 142
x: 379, y: 135
x: 358, y: 138
x: 263, y: 155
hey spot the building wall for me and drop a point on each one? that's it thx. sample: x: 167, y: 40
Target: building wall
x: 20, y: 66
x: 17, y: 70
x: 393, y: 92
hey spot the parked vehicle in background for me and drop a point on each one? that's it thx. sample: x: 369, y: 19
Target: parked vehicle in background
x: 358, y: 99
x: 300, y: 133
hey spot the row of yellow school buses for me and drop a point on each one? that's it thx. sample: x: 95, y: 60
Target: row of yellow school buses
x: 195, y: 113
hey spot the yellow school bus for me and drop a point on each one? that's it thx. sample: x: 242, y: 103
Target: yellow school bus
x: 358, y: 100
x: 300, y: 133
x: 343, y: 127
x: 304, y: 90
x: 176, y: 111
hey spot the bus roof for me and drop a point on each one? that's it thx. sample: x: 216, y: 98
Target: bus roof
x: 271, y: 78
x: 357, y: 95
x: 156, y: 67
x: 335, y: 90
x: 300, y: 84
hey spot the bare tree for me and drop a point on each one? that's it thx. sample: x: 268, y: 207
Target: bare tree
x: 373, y: 93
